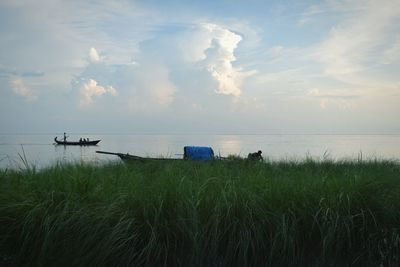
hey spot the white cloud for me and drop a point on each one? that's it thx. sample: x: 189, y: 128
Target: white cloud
x: 220, y: 56
x: 161, y: 89
x: 342, y: 94
x: 152, y: 89
x: 92, y: 89
x: 353, y: 45
x: 214, y: 46
x: 94, y: 55
x: 392, y: 55
x: 20, y: 88
x: 308, y: 15
x: 341, y: 98
x: 275, y: 51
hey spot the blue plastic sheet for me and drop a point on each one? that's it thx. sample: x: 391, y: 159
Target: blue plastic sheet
x: 198, y: 153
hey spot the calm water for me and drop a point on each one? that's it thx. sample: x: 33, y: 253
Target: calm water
x: 40, y: 151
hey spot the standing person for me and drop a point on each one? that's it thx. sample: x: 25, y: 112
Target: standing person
x: 65, y: 137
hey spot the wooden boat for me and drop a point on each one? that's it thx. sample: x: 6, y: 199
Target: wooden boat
x: 190, y: 153
x: 129, y: 157
x: 77, y: 143
x: 196, y: 153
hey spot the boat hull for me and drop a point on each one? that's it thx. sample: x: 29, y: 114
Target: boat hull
x: 129, y: 157
x: 83, y: 143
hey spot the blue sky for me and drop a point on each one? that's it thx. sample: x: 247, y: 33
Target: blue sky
x: 200, y: 66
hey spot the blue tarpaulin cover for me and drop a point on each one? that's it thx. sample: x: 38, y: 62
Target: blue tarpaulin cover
x: 198, y: 153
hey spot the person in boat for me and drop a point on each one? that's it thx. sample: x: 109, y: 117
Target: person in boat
x: 255, y: 156
x: 80, y: 140
x: 65, y: 137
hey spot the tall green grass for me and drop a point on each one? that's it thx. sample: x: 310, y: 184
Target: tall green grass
x: 182, y: 213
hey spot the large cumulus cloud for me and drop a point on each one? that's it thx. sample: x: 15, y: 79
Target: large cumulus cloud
x: 180, y: 68
x: 214, y: 46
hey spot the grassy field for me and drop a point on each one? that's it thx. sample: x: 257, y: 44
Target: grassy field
x: 223, y: 213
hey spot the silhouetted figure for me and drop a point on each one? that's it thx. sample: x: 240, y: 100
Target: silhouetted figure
x: 255, y: 156
x: 65, y: 137
x: 80, y: 140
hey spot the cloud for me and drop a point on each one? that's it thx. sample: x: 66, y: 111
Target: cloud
x: 332, y: 95
x: 308, y: 15
x: 213, y: 46
x: 352, y: 46
x: 35, y: 73
x: 10, y: 72
x: 7, y: 72
x: 145, y: 86
x: 153, y: 89
x: 92, y: 89
x: 342, y: 98
x: 20, y: 88
x: 94, y: 55
x: 275, y: 51
x: 219, y: 58
x: 162, y: 89
x: 166, y: 67
x: 392, y: 54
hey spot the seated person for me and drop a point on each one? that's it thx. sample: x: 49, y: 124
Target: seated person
x: 255, y: 156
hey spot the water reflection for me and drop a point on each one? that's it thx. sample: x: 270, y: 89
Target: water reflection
x: 228, y: 145
x: 40, y: 150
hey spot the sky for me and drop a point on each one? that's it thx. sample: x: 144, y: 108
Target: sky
x: 183, y: 67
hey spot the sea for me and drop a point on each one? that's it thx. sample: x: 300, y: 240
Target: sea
x: 20, y: 151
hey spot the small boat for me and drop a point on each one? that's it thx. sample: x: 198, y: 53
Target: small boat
x: 190, y: 153
x: 77, y: 143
